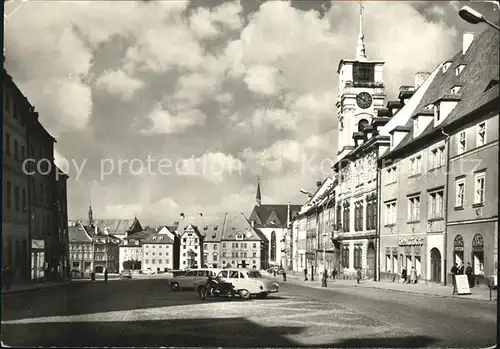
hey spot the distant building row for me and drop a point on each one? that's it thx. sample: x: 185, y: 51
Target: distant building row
x: 217, y: 241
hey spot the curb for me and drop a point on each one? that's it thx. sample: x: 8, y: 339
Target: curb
x: 431, y: 294
x: 308, y: 284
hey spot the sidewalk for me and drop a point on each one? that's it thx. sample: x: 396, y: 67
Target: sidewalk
x: 477, y: 293
x: 34, y: 286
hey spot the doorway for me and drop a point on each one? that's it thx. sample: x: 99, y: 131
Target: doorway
x: 435, y: 265
x: 370, y: 260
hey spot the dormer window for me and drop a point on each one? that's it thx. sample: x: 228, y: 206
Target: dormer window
x: 437, y: 112
x: 446, y: 65
x: 459, y: 69
x: 205, y: 227
x: 216, y: 227
x: 455, y: 89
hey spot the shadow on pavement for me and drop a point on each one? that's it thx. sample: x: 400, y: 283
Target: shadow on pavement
x: 206, y: 332
x: 98, y: 297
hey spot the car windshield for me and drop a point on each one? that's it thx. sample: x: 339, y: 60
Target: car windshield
x: 254, y: 274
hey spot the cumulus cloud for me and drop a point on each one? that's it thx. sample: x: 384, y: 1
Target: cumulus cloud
x: 207, y: 24
x: 271, y: 72
x: 118, y: 83
x: 211, y: 166
x: 163, y: 122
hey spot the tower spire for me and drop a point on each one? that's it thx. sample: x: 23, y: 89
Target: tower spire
x: 91, y: 219
x: 258, y: 196
x: 360, y: 49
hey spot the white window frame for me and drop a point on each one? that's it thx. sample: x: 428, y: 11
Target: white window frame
x: 481, y: 134
x: 391, y: 175
x: 390, y: 212
x: 462, y: 142
x: 436, y: 204
x: 460, y: 194
x: 415, y: 165
x: 479, y: 191
x: 436, y: 158
x: 414, y: 208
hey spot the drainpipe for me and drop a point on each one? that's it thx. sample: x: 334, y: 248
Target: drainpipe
x: 446, y: 190
x: 379, y: 220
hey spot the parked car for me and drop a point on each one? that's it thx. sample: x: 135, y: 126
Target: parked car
x: 126, y: 274
x: 246, y: 282
x: 148, y: 272
x: 191, y: 278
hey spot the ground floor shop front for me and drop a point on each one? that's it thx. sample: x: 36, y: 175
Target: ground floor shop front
x: 15, y: 249
x: 358, y: 253
x: 474, y: 243
x: 423, y: 252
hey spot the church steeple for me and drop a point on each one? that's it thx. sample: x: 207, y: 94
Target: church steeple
x: 258, y: 197
x: 360, y: 49
x: 91, y: 220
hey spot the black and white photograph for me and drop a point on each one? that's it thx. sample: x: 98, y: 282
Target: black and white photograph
x: 250, y: 173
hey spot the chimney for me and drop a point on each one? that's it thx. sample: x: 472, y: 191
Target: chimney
x: 420, y: 78
x: 318, y: 183
x: 468, y: 37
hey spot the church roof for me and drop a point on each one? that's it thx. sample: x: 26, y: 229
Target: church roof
x: 264, y: 215
x: 482, y: 67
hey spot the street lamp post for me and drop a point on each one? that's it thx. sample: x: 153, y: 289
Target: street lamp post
x: 474, y: 17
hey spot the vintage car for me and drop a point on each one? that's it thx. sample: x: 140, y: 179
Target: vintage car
x: 191, y: 278
x: 125, y: 274
x: 246, y: 282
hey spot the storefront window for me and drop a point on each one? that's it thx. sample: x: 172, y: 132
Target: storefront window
x: 395, y: 267
x: 458, y: 250
x: 345, y: 256
x: 388, y: 260
x: 478, y: 254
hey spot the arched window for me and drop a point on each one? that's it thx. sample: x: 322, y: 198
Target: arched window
x: 273, y: 246
x: 362, y: 124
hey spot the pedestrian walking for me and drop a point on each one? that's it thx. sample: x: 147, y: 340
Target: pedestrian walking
x: 460, y: 269
x: 284, y: 275
x: 334, y: 274
x: 404, y: 275
x: 324, y: 280
x: 413, y: 276
x: 312, y: 272
x: 106, y: 276
x: 454, y: 271
x: 358, y: 275
x: 305, y: 274
x: 468, y: 272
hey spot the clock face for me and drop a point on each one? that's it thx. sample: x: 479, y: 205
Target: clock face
x: 364, y: 100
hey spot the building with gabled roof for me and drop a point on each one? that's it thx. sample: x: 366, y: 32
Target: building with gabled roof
x: 171, y: 232
x: 158, y: 252
x: 243, y: 246
x: 274, y: 220
x: 91, y: 249
x: 440, y: 174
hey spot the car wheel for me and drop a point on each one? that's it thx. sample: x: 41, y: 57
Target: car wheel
x: 262, y: 295
x: 174, y: 286
x: 244, y: 294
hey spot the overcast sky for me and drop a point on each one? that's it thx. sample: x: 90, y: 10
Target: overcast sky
x: 246, y: 88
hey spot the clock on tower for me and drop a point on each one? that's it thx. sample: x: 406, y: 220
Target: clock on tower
x: 364, y: 100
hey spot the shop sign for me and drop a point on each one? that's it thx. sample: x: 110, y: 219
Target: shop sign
x: 411, y: 242
x: 417, y: 250
x: 37, y: 244
x: 462, y: 284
